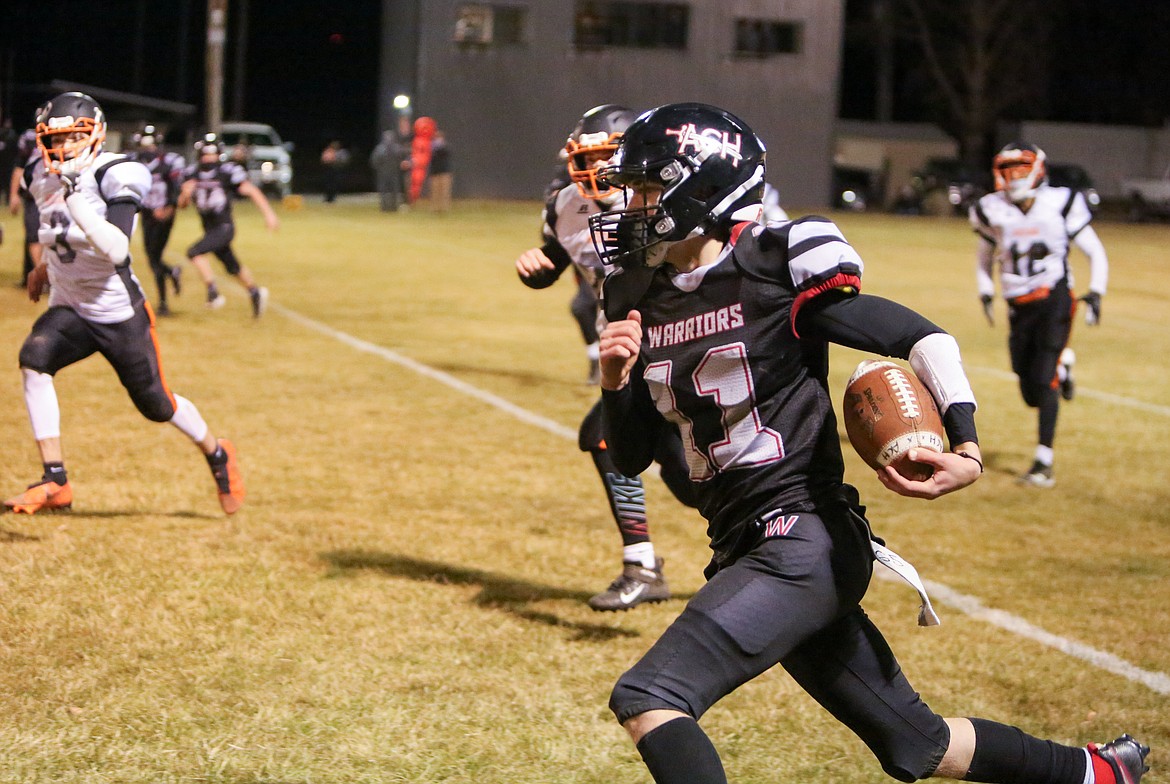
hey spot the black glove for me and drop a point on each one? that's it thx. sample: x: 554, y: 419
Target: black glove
x: 1092, y: 302
x: 987, y: 299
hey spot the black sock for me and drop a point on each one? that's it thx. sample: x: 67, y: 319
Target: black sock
x: 679, y: 752
x: 212, y: 291
x: 218, y: 457
x: 1008, y: 755
x: 55, y: 472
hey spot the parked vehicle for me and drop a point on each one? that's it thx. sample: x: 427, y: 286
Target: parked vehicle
x: 1147, y: 197
x: 268, y: 161
x: 948, y: 185
x: 856, y: 189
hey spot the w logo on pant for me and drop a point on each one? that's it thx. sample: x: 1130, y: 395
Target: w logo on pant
x: 780, y: 526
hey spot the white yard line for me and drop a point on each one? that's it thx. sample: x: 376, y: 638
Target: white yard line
x: 942, y: 594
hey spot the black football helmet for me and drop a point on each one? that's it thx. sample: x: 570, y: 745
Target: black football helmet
x: 1019, y: 170
x: 708, y: 164
x: 146, y: 138
x: 597, y: 133
x: 71, y: 129
x: 209, y: 145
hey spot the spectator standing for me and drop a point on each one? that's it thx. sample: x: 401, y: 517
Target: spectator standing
x: 441, y: 176
x: 334, y: 159
x: 386, y: 161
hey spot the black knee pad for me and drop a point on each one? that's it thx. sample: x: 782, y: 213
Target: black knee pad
x: 155, y: 407
x: 590, y: 437
x: 35, y: 354
x: 1033, y: 394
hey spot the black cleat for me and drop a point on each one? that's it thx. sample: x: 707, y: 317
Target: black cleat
x: 1039, y: 475
x: 1126, y: 756
x: 635, y: 585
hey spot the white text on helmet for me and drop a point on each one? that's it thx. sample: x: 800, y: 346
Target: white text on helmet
x: 708, y: 142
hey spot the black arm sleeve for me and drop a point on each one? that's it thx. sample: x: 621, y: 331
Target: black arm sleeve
x: 865, y: 323
x: 630, y: 424
x: 544, y: 278
x: 121, y: 214
x: 879, y: 326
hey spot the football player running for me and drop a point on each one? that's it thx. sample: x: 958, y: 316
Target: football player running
x: 721, y: 327
x: 158, y: 209
x: 567, y: 244
x: 1026, y: 227
x: 209, y: 184
x: 88, y: 200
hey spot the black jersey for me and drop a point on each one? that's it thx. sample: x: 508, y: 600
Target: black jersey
x: 214, y: 189
x: 722, y: 361
x: 167, y: 170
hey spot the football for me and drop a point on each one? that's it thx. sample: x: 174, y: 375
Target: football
x: 887, y: 413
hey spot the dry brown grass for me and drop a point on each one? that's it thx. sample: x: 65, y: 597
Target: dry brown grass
x: 402, y: 599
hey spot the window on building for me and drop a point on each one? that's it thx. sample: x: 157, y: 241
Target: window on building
x: 485, y: 24
x: 605, y: 23
x: 767, y: 37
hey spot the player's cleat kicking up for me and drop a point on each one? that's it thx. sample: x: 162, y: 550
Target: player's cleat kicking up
x: 635, y: 585
x: 229, y: 483
x: 44, y: 496
x: 1126, y: 756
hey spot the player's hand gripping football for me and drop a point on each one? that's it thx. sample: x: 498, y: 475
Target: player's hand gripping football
x: 621, y: 342
x: 952, y: 471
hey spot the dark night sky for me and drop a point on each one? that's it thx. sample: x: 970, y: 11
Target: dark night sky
x: 312, y: 66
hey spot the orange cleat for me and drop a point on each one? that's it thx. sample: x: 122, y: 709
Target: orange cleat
x: 228, y: 480
x: 44, y: 495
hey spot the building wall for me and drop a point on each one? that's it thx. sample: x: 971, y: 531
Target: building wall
x: 508, y: 109
x: 1109, y: 153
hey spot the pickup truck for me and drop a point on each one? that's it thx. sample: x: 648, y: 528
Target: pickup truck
x: 1147, y: 197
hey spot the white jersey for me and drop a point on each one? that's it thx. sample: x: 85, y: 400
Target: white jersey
x: 80, y: 277
x: 566, y: 220
x: 1031, y: 248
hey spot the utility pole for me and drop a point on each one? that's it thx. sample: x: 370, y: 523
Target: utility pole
x: 239, y: 77
x: 216, y: 33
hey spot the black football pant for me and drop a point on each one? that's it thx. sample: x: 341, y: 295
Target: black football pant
x: 155, y: 234
x: 1039, y: 331
x: 61, y: 337
x: 792, y: 600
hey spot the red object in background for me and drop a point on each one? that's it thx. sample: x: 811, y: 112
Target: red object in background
x: 420, y: 154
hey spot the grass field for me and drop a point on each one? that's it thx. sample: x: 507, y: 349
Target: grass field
x: 402, y: 598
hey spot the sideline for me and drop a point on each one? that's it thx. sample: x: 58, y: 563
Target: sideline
x: 969, y: 605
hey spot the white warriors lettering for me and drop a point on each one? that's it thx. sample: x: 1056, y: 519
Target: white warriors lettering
x: 708, y: 142
x: 695, y: 327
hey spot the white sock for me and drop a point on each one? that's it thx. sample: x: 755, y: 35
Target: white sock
x: 593, y: 350
x: 640, y: 553
x: 40, y: 397
x: 188, y: 420
x: 1044, y: 454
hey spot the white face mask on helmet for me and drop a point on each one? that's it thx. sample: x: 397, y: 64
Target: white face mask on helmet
x: 1019, y: 171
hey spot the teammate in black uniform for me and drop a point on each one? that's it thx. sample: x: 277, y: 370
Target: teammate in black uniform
x: 158, y: 209
x: 88, y: 200
x: 567, y: 244
x: 721, y: 329
x: 210, y: 184
x: 19, y: 199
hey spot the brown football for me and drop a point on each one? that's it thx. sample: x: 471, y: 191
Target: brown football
x: 887, y: 413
